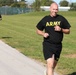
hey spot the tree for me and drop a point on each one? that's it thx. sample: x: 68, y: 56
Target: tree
x: 6, y: 2
x: 22, y: 4
x: 15, y: 1
x: 43, y: 2
x: 64, y: 3
x: 15, y: 5
x: 46, y: 2
x: 49, y: 2
x: 9, y: 2
x: 23, y: 0
x: 36, y: 5
x: 73, y: 6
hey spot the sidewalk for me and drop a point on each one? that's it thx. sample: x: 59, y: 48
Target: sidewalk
x: 12, y: 62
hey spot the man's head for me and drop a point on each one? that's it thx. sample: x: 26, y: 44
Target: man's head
x: 53, y: 9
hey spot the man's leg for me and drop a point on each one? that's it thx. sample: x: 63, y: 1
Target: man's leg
x: 51, y: 64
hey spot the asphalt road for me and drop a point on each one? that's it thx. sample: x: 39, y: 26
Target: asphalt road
x: 12, y: 62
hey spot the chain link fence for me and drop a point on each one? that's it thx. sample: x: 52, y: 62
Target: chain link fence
x: 5, y: 10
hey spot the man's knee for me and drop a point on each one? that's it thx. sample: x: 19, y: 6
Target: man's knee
x: 50, y: 62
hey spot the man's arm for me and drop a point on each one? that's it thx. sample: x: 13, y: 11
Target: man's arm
x: 58, y: 28
x: 66, y: 31
x: 42, y: 33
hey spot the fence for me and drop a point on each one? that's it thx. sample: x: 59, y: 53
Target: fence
x: 5, y: 10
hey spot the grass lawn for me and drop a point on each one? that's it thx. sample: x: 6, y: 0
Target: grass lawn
x: 19, y: 31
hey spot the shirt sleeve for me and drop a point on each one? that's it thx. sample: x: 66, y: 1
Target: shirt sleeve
x: 40, y: 25
x: 65, y: 24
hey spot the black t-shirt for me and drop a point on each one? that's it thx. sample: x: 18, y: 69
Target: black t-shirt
x: 48, y: 23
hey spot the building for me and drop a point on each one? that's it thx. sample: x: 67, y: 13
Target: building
x: 47, y: 8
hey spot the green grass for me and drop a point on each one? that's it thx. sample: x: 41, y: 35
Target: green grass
x: 19, y: 31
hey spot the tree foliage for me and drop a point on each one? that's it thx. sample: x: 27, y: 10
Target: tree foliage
x: 36, y: 5
x: 6, y: 2
x: 13, y: 3
x: 46, y: 2
x: 64, y: 3
x: 22, y: 4
x: 73, y: 6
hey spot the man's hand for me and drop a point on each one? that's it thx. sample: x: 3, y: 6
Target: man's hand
x: 57, y: 28
x: 45, y: 35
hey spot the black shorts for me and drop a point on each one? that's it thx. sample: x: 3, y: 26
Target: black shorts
x: 50, y: 49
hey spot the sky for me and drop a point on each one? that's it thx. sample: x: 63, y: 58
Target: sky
x: 70, y: 1
x: 57, y: 1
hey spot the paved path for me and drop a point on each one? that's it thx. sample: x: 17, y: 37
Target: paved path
x: 12, y: 62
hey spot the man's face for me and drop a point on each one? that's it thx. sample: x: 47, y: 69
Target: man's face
x: 53, y: 10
